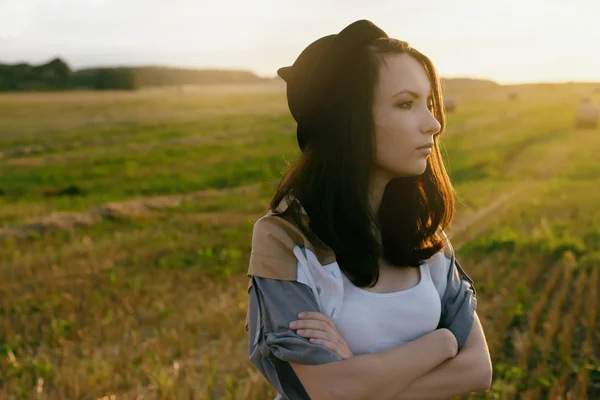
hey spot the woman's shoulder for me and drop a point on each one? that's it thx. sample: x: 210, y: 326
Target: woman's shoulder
x: 439, y: 264
x: 277, y: 236
x: 447, y: 250
x: 273, y: 241
x: 443, y: 257
x: 274, y: 237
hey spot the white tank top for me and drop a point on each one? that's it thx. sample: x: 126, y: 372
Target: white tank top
x: 372, y: 322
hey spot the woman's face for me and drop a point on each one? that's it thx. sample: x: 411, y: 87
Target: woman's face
x: 403, y: 118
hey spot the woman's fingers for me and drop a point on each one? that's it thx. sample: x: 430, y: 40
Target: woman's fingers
x: 335, y: 347
x: 312, y: 333
x: 320, y: 329
x: 312, y: 324
x: 318, y: 316
x: 327, y: 343
x: 334, y: 337
x: 320, y: 332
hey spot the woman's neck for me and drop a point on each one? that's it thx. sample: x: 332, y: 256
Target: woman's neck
x: 378, y: 184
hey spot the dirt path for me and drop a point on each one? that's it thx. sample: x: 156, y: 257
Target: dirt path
x: 482, y: 219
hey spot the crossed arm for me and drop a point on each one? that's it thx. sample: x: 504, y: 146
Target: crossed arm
x: 470, y: 371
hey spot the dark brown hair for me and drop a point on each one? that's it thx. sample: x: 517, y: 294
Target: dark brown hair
x: 331, y: 178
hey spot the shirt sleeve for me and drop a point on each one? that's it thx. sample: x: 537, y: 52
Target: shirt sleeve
x: 272, y: 345
x: 459, y: 303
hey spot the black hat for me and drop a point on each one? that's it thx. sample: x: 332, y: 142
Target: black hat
x: 312, y: 76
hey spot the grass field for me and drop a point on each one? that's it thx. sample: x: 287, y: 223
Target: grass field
x: 126, y: 219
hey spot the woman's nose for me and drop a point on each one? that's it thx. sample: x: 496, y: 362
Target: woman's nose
x: 431, y: 126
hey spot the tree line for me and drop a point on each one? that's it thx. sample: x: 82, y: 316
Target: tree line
x: 57, y: 75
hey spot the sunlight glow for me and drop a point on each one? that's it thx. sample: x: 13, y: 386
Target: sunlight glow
x: 508, y: 41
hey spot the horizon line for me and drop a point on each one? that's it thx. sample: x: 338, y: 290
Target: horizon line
x: 275, y: 76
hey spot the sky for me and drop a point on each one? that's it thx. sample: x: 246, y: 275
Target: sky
x: 508, y: 41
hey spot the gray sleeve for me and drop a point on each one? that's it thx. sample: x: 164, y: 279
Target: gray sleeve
x: 272, y: 305
x: 458, y: 303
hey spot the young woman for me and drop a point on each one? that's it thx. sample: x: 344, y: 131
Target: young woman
x: 354, y: 290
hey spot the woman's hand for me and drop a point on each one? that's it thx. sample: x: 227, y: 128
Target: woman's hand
x: 321, y: 330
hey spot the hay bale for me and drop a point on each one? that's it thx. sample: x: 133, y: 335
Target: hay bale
x: 449, y: 104
x: 513, y: 95
x: 585, y: 100
x: 587, y: 116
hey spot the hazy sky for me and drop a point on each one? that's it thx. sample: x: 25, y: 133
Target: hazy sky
x: 505, y: 40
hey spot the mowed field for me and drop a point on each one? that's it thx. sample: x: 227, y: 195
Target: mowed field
x: 126, y: 220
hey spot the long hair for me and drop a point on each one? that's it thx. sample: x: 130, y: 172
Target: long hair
x: 331, y: 178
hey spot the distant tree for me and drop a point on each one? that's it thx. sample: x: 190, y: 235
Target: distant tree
x: 54, y: 75
x: 61, y: 73
x: 116, y: 78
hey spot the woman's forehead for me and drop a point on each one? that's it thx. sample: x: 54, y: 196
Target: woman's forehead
x: 403, y: 72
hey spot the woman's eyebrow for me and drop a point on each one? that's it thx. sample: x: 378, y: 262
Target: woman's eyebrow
x: 412, y: 93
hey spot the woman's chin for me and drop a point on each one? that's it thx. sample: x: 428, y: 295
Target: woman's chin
x: 415, y: 171
x: 418, y: 169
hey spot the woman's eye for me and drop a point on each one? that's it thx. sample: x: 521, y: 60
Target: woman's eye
x: 408, y: 105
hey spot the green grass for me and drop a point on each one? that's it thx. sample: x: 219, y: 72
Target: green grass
x: 151, y: 300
